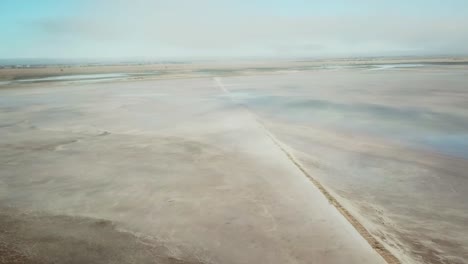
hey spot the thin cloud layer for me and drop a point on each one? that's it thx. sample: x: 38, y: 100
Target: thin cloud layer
x: 207, y: 28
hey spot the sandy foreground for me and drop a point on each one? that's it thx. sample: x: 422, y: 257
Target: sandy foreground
x: 156, y: 171
x: 222, y: 167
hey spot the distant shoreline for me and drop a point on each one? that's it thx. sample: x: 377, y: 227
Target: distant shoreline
x: 19, y: 72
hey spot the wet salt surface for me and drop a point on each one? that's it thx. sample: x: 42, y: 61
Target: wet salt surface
x: 83, y: 78
x: 376, y: 139
x: 391, y: 144
x: 415, y: 124
x: 443, y: 132
x: 182, y: 174
x: 396, y: 66
x: 76, y: 77
x: 452, y: 144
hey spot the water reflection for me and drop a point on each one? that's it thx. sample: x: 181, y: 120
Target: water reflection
x: 444, y: 132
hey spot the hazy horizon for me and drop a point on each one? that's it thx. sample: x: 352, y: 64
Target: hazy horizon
x: 211, y: 29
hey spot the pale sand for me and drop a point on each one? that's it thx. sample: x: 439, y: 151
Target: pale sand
x: 390, y: 145
x: 267, y: 128
x: 188, y: 175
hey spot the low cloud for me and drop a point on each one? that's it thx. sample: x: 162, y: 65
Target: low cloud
x: 215, y: 28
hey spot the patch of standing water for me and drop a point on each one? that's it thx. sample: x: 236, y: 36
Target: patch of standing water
x: 394, y: 66
x: 86, y: 77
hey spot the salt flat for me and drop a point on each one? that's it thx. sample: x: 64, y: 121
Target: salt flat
x: 391, y: 144
x: 241, y: 165
x: 165, y: 171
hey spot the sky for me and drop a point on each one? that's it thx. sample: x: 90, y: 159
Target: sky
x: 152, y: 29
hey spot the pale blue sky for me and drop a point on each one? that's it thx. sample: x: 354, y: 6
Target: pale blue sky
x: 217, y: 28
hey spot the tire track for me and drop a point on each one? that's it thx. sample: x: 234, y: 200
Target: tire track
x: 373, y: 242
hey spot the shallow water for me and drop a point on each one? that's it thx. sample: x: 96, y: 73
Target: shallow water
x: 416, y: 124
x: 443, y: 132
x: 393, y: 144
x: 83, y: 78
x: 396, y: 66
